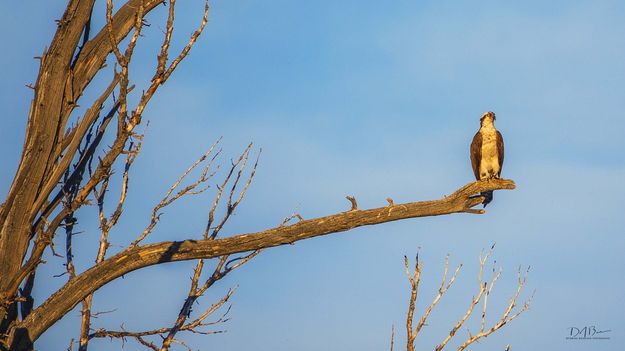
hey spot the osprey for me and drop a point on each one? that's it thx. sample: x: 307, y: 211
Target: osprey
x: 487, y: 152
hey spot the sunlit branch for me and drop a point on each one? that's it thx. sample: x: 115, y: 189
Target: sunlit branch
x: 190, y: 189
x: 142, y: 256
x: 485, y: 288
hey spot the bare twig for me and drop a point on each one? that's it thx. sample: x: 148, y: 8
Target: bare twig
x: 106, y: 223
x: 442, y: 289
x: 170, y: 197
x: 231, y: 206
x: 414, y: 280
x: 194, y: 293
x: 506, y: 317
x: 187, y: 48
x: 291, y: 217
x: 353, y: 202
x: 414, y: 284
x: 486, y: 288
x: 192, y: 326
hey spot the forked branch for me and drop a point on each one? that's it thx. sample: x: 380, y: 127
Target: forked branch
x: 485, y: 288
x: 224, y: 266
x: 414, y: 280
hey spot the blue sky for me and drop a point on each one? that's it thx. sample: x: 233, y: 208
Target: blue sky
x: 372, y: 99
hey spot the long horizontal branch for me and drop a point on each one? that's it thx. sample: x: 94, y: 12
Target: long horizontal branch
x: 76, y: 289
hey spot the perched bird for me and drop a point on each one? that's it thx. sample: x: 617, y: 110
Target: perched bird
x: 487, y: 152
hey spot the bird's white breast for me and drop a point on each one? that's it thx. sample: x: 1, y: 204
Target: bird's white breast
x: 490, y: 157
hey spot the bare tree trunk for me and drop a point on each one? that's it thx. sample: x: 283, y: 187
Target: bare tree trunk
x: 44, y: 130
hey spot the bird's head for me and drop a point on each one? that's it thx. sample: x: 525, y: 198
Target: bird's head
x: 488, y: 118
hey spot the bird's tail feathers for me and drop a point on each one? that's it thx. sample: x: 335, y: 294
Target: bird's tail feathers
x: 488, y: 197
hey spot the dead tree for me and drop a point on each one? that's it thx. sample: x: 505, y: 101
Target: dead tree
x: 65, y: 166
x: 485, y: 287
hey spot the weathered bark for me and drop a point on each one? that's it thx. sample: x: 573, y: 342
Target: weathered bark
x: 44, y: 130
x: 135, y: 258
x: 49, y: 145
